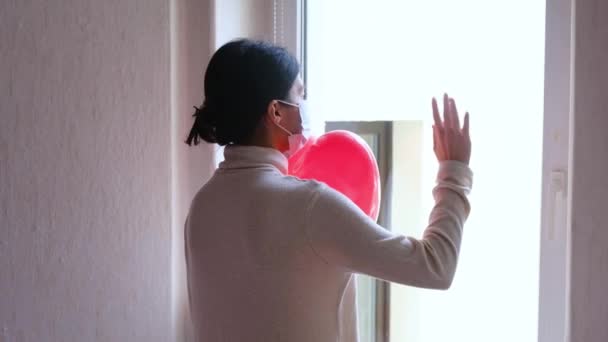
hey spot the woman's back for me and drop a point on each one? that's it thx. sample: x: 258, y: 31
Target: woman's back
x: 256, y: 275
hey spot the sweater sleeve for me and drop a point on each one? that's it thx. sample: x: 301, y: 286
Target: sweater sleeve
x: 342, y: 235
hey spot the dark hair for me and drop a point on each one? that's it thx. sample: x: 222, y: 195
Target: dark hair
x: 242, y: 77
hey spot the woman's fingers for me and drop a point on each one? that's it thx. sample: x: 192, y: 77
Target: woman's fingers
x: 450, y: 140
x: 436, y: 115
x: 434, y: 138
x: 438, y: 145
x: 447, y: 122
x: 454, y: 112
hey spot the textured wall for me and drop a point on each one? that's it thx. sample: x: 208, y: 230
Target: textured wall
x: 192, y: 166
x: 85, y: 170
x: 589, y: 278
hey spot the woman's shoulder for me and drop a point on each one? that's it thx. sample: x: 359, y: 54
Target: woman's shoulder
x: 303, y: 185
x: 316, y: 192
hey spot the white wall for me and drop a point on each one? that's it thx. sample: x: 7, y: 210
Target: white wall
x: 191, y: 48
x: 589, y: 212
x: 85, y: 170
x: 243, y: 18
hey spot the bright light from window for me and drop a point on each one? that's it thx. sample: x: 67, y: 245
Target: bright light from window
x: 383, y: 60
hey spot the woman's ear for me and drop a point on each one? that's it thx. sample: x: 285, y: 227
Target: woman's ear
x: 272, y: 112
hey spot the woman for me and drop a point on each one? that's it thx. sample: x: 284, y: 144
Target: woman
x: 271, y: 257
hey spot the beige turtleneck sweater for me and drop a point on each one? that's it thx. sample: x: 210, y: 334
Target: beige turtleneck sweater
x: 271, y: 257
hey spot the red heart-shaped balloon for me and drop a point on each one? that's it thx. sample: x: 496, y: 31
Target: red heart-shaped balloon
x: 345, y: 162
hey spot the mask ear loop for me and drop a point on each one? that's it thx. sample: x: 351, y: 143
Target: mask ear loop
x: 283, y: 129
x: 276, y: 121
x: 288, y: 103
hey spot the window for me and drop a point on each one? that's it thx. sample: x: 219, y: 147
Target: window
x: 383, y: 60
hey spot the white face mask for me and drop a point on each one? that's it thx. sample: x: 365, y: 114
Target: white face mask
x: 297, y: 140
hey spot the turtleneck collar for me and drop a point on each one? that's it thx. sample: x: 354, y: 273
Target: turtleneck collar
x: 246, y: 157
